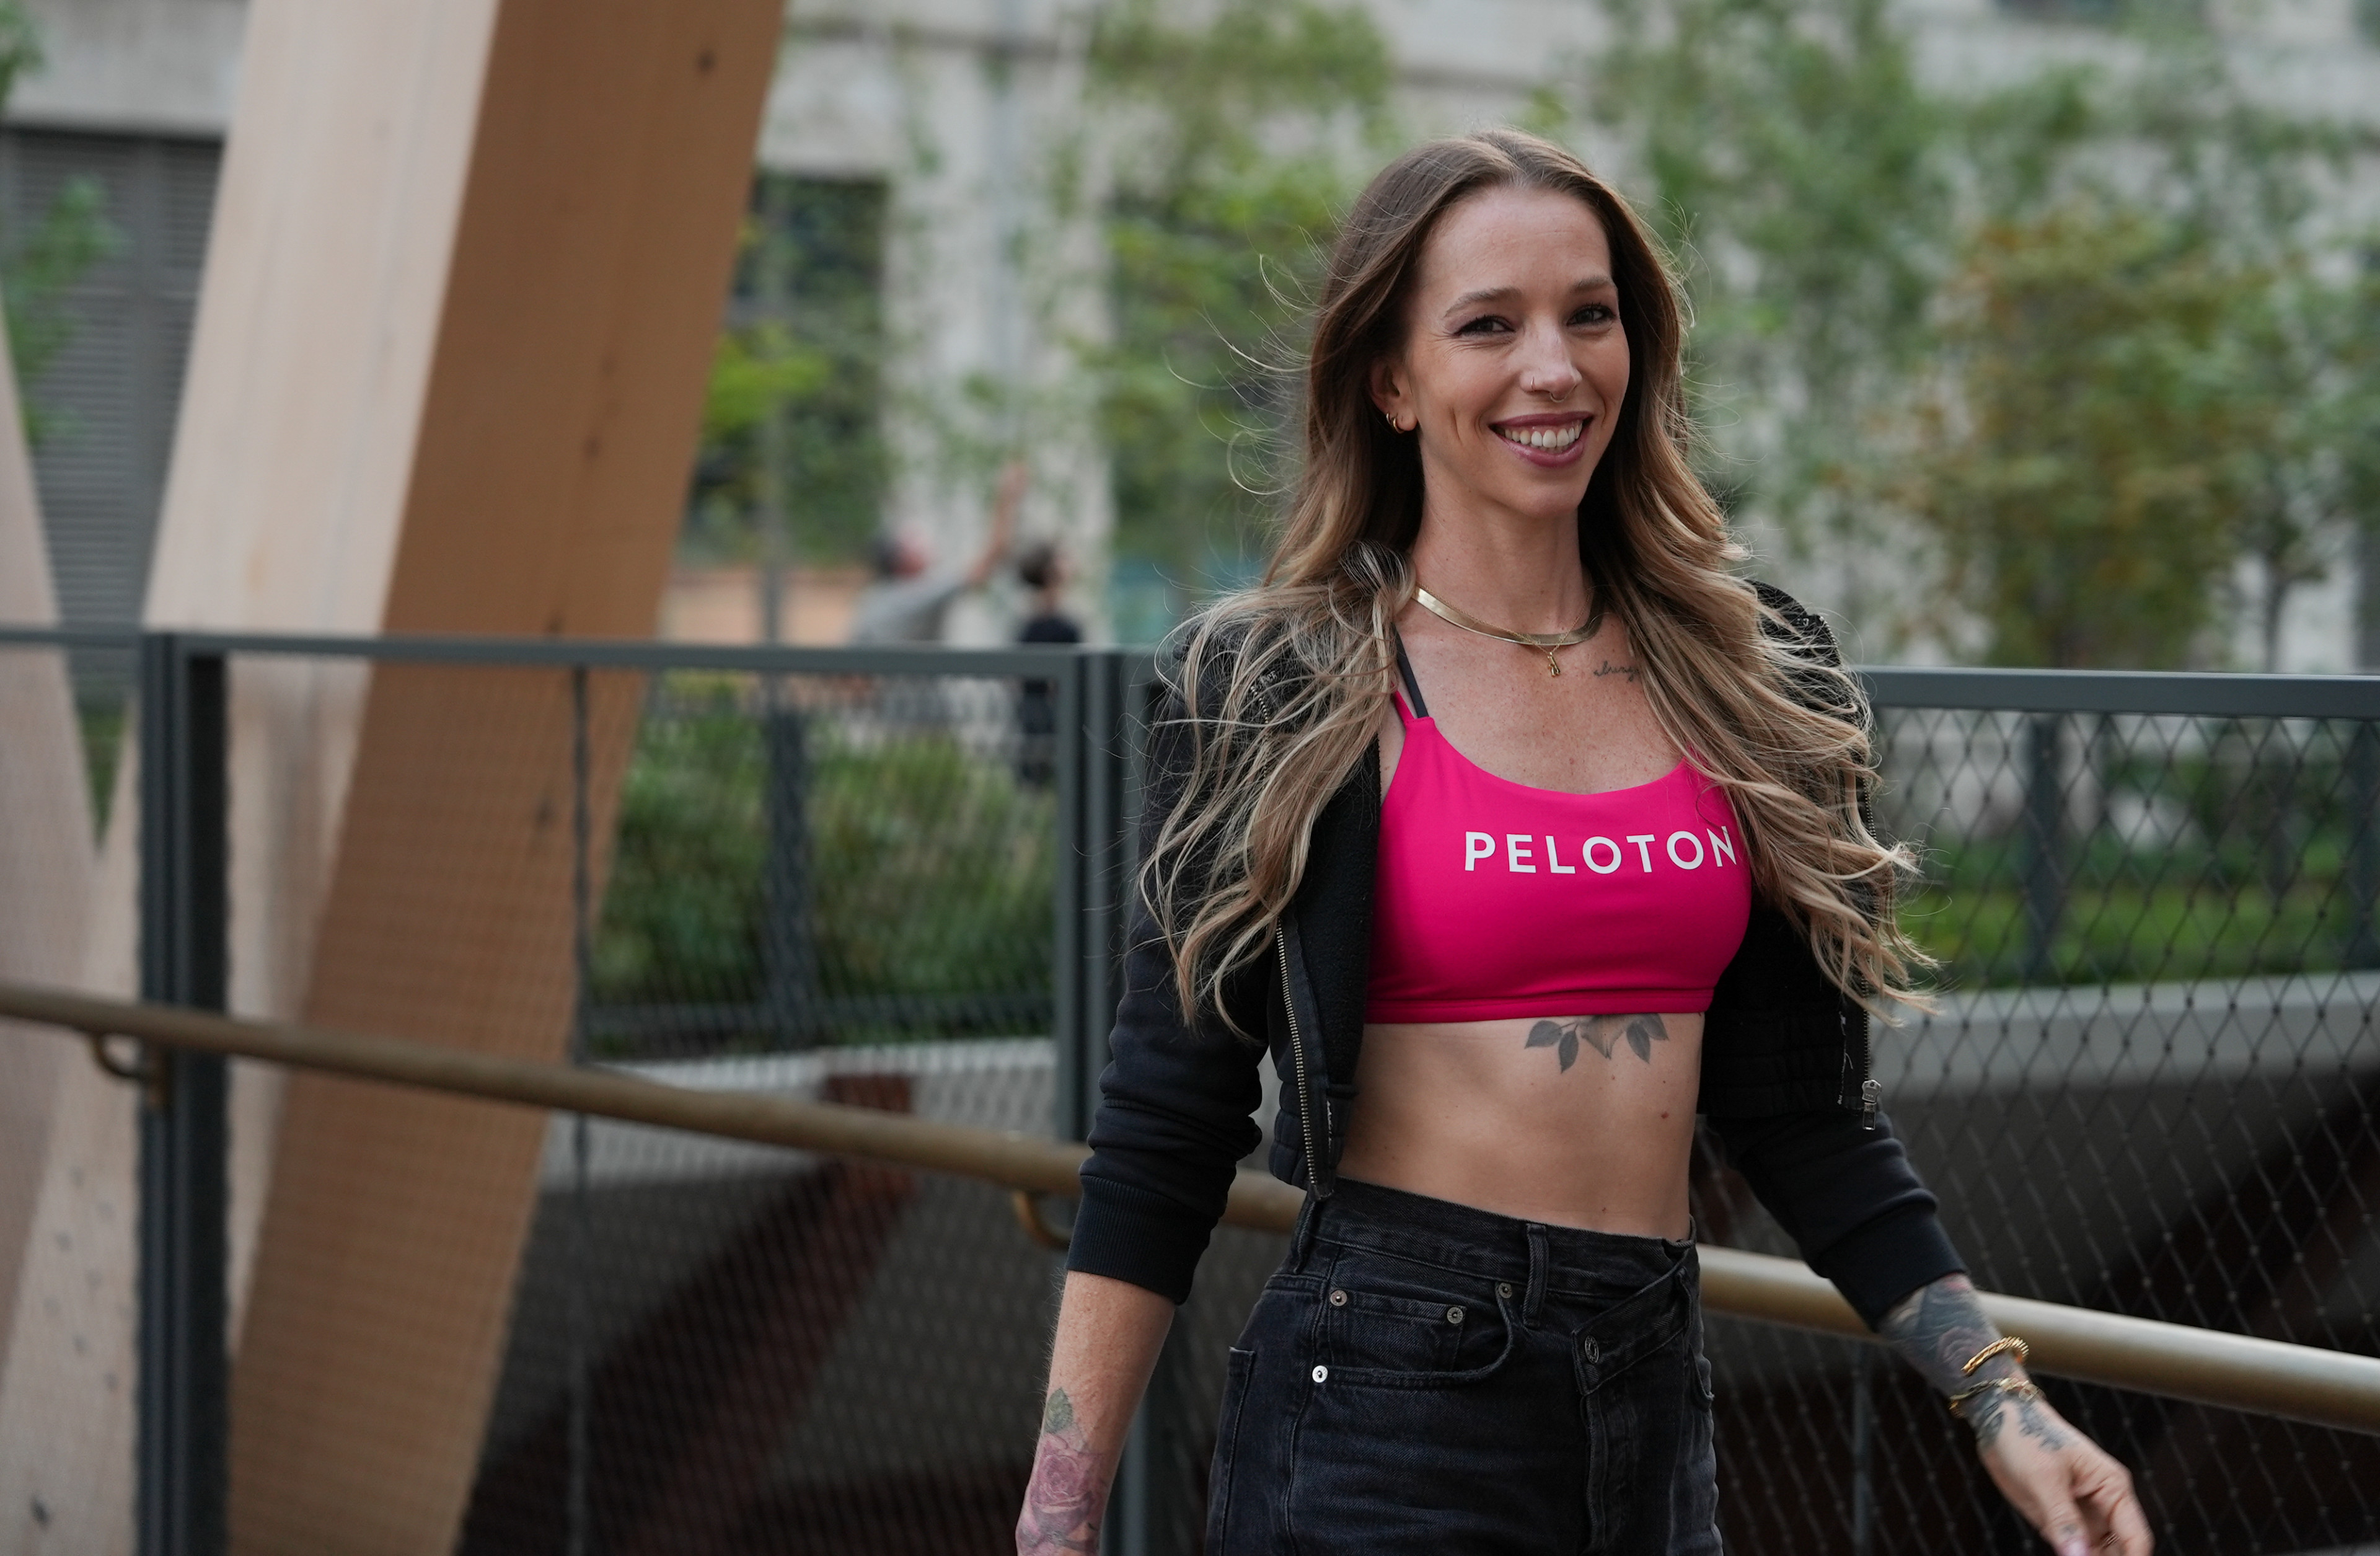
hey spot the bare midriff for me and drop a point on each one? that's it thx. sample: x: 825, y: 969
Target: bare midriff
x: 1583, y: 1121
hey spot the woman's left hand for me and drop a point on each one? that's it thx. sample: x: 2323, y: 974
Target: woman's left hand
x: 2066, y: 1486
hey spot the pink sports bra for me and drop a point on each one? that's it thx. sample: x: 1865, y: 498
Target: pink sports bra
x: 1492, y: 899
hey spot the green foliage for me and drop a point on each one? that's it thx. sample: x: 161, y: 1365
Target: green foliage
x: 759, y: 371
x: 38, y: 268
x: 935, y: 871
x: 1243, y: 138
x: 2082, y: 483
x: 2252, y: 873
x: 41, y: 265
x: 2150, y: 374
x: 20, y: 45
x: 2074, y: 345
x: 681, y: 918
x: 930, y: 870
x: 1801, y: 172
x: 793, y: 417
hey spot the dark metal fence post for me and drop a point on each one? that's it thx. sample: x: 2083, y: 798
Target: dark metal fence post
x: 577, y: 1505
x: 2043, y: 866
x: 1106, y: 851
x: 1070, y: 1017
x: 183, y: 1406
x: 2363, y: 844
x: 1154, y: 1510
x: 1863, y: 1451
x: 789, y: 965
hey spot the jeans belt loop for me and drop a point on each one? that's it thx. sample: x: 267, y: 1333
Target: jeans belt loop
x: 1539, y: 1259
x: 1300, y: 1238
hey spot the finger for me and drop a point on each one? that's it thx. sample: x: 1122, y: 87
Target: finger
x: 2126, y: 1522
x: 2110, y: 1510
x: 2061, y: 1524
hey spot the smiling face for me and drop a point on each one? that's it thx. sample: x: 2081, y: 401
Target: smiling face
x: 1514, y: 363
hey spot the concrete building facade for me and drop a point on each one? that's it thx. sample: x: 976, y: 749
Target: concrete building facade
x: 944, y: 103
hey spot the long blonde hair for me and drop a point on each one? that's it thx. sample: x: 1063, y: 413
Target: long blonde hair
x: 1284, y: 685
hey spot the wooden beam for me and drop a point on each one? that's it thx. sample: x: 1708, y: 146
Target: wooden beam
x: 461, y: 294
x: 59, y: 1220
x: 46, y: 848
x: 608, y: 174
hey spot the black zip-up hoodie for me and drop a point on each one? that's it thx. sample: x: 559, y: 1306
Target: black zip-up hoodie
x: 1785, y: 1081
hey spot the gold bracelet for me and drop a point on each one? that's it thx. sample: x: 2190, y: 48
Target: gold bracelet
x: 2022, y: 1388
x: 2010, y: 1343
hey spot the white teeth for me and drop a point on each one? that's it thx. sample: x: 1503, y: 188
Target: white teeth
x: 1552, y: 439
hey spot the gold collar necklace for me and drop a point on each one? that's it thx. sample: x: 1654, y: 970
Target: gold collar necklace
x: 1544, y: 642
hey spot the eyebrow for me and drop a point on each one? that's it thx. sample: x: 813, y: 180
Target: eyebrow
x: 1498, y: 294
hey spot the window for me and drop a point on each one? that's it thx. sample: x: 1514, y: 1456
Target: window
x: 106, y: 395
x: 806, y: 331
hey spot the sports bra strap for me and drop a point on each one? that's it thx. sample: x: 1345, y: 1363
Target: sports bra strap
x: 1404, y: 670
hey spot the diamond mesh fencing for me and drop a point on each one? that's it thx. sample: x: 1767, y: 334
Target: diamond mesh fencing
x: 2148, y: 1087
x: 575, y: 1336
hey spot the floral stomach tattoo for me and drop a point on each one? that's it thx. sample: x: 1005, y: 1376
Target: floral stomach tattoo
x: 1604, y: 1033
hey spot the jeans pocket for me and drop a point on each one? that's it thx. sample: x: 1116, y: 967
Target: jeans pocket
x: 1238, y: 1367
x: 1389, y: 1321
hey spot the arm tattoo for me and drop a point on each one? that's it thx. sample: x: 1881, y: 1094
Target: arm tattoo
x: 1068, y: 1493
x: 1603, y: 1031
x: 1935, y: 1331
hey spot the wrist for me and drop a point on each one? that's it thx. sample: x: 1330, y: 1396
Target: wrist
x: 1981, y: 1401
x: 1992, y: 1377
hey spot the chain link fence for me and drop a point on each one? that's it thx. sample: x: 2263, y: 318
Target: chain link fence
x: 845, y: 883
x: 2148, y: 1087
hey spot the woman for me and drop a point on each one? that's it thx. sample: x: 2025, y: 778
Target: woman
x: 1521, y: 833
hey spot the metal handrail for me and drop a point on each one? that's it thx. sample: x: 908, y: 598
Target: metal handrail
x: 2174, y: 1361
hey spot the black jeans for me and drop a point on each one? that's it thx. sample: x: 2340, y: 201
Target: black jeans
x: 1422, y: 1377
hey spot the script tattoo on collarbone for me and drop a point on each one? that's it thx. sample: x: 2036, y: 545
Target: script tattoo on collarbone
x: 1602, y: 1031
x: 1607, y: 668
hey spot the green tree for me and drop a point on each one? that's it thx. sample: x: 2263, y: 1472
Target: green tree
x: 2077, y: 470
x: 929, y: 871
x: 1804, y: 176
x: 2067, y: 345
x: 40, y: 265
x: 1243, y: 138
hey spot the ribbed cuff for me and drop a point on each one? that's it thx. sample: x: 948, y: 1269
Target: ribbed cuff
x: 1128, y: 1234
x: 1883, y: 1261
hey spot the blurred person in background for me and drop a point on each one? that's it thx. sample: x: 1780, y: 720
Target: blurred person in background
x: 910, y: 597
x: 1521, y: 830
x: 1044, y: 569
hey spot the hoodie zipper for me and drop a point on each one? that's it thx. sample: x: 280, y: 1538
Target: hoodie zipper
x: 1316, y: 1145
x: 1871, y: 1090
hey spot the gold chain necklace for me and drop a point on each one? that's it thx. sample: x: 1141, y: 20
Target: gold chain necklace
x: 1544, y: 642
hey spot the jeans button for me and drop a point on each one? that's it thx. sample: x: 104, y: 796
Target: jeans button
x: 1590, y: 1350
x: 1504, y: 1288
x: 1320, y: 1373
x: 1455, y: 1315
x: 1337, y: 1299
